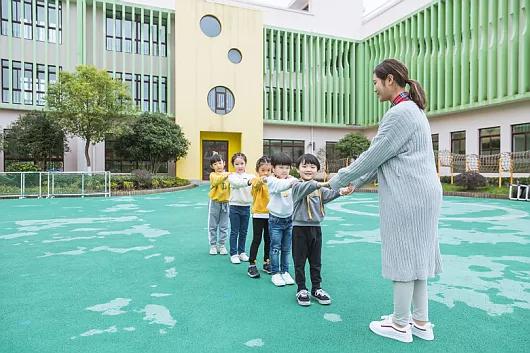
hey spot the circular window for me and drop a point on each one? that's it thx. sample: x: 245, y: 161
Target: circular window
x: 234, y: 56
x: 220, y: 100
x: 210, y: 26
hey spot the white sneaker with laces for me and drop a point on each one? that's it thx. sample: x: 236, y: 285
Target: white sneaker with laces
x: 213, y: 249
x: 222, y: 250
x: 235, y: 259
x: 278, y: 280
x: 287, y: 278
x: 243, y: 257
x: 388, y: 329
x: 424, y: 332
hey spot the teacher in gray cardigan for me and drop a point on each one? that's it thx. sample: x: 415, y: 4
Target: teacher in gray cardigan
x: 410, y: 196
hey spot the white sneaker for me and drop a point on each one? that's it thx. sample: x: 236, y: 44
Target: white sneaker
x: 424, y: 332
x: 388, y: 329
x: 278, y: 280
x: 213, y: 249
x: 235, y: 259
x: 243, y: 257
x: 222, y: 250
x: 287, y: 278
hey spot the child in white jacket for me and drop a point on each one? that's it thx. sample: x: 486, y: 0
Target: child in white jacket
x: 240, y: 201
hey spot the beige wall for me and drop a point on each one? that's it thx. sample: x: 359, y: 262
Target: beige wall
x: 201, y: 63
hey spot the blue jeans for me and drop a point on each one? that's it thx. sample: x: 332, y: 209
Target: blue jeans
x: 239, y: 217
x: 281, y: 233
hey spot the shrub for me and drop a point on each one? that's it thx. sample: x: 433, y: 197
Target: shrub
x: 470, y: 180
x: 294, y: 172
x: 142, y: 178
x: 128, y: 185
x: 155, y: 183
x: 22, y: 167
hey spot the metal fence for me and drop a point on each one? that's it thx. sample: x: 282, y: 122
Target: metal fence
x: 54, y: 184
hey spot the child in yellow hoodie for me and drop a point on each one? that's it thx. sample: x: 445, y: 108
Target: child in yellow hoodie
x: 260, y: 217
x: 218, y: 206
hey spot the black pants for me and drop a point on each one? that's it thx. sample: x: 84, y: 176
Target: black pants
x: 307, y: 245
x: 260, y: 226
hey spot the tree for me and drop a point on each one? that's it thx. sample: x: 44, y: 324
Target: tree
x: 90, y: 104
x: 36, y: 136
x: 153, y: 137
x: 352, y: 145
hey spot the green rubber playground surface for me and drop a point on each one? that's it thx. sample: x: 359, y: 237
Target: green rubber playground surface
x: 133, y: 274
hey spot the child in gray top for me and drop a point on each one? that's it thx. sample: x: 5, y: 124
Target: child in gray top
x: 309, y: 198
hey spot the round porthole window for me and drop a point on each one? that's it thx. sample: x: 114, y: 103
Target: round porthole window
x: 210, y: 26
x: 234, y: 55
x: 220, y: 100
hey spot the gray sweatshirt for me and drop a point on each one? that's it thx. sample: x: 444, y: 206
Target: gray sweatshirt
x: 309, y: 202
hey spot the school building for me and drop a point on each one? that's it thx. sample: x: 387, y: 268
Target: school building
x: 261, y: 76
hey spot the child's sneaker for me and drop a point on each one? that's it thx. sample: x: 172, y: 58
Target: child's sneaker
x: 424, y: 332
x: 388, y: 329
x: 222, y: 250
x: 243, y: 257
x: 302, y: 297
x: 267, y: 268
x: 235, y: 259
x: 278, y: 280
x: 213, y: 249
x: 287, y: 278
x: 322, y: 297
x: 253, y: 271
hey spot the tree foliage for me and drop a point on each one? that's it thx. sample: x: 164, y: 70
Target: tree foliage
x: 352, y: 145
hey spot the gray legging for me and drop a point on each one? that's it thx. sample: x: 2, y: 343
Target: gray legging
x: 405, y: 293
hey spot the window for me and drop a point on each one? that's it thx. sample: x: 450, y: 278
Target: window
x: 332, y: 153
x: 435, y: 142
x: 145, y: 38
x: 5, y: 81
x: 146, y: 106
x: 28, y: 83
x: 163, y: 39
x: 52, y: 74
x: 458, y: 142
x: 210, y: 26
x: 117, y: 31
x: 490, y: 141
x: 128, y: 78
x: 16, y: 81
x: 54, y: 22
x: 41, y: 84
x: 117, y: 164
x: 521, y: 137
x: 138, y: 36
x: 293, y: 148
x: 138, y: 90
x: 154, y: 38
x: 127, y: 34
x: 163, y: 98
x: 155, y: 94
x: 16, y: 13
x: 109, y: 32
x: 41, y: 21
x: 234, y: 56
x: 220, y: 100
x: 4, y: 10
x: 28, y: 20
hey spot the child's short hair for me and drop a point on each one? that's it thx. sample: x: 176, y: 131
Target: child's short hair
x: 216, y: 157
x: 238, y: 155
x: 281, y: 158
x: 308, y: 158
x: 263, y: 160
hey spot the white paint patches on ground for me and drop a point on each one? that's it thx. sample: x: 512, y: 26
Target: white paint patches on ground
x: 257, y: 342
x: 143, y: 229
x: 152, y: 255
x: 332, y: 317
x: 171, y: 272
x: 158, y: 314
x: 68, y: 239
x: 37, y: 225
x: 17, y: 235
x: 153, y: 285
x: 168, y: 259
x: 80, y: 250
x: 111, y: 308
x: 122, y: 207
x: 129, y: 329
x: 160, y: 295
x: 87, y: 229
x: 162, y: 331
x: 95, y: 331
x: 122, y: 250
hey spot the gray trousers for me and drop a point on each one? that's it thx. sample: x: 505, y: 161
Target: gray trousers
x: 217, y: 218
x: 407, y: 293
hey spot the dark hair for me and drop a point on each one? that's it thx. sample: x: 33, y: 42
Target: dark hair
x: 281, y: 158
x: 263, y: 160
x: 216, y: 157
x: 308, y: 158
x: 238, y: 155
x: 400, y: 73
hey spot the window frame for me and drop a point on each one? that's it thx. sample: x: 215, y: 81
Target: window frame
x: 526, y: 135
x: 455, y: 138
x: 490, y: 137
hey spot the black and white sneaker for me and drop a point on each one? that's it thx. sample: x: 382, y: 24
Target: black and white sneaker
x: 267, y: 268
x: 321, y: 296
x: 302, y: 297
x: 253, y: 272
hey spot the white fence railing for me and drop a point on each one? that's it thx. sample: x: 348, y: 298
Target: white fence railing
x: 54, y: 184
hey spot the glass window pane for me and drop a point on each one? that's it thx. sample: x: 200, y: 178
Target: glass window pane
x: 210, y: 26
